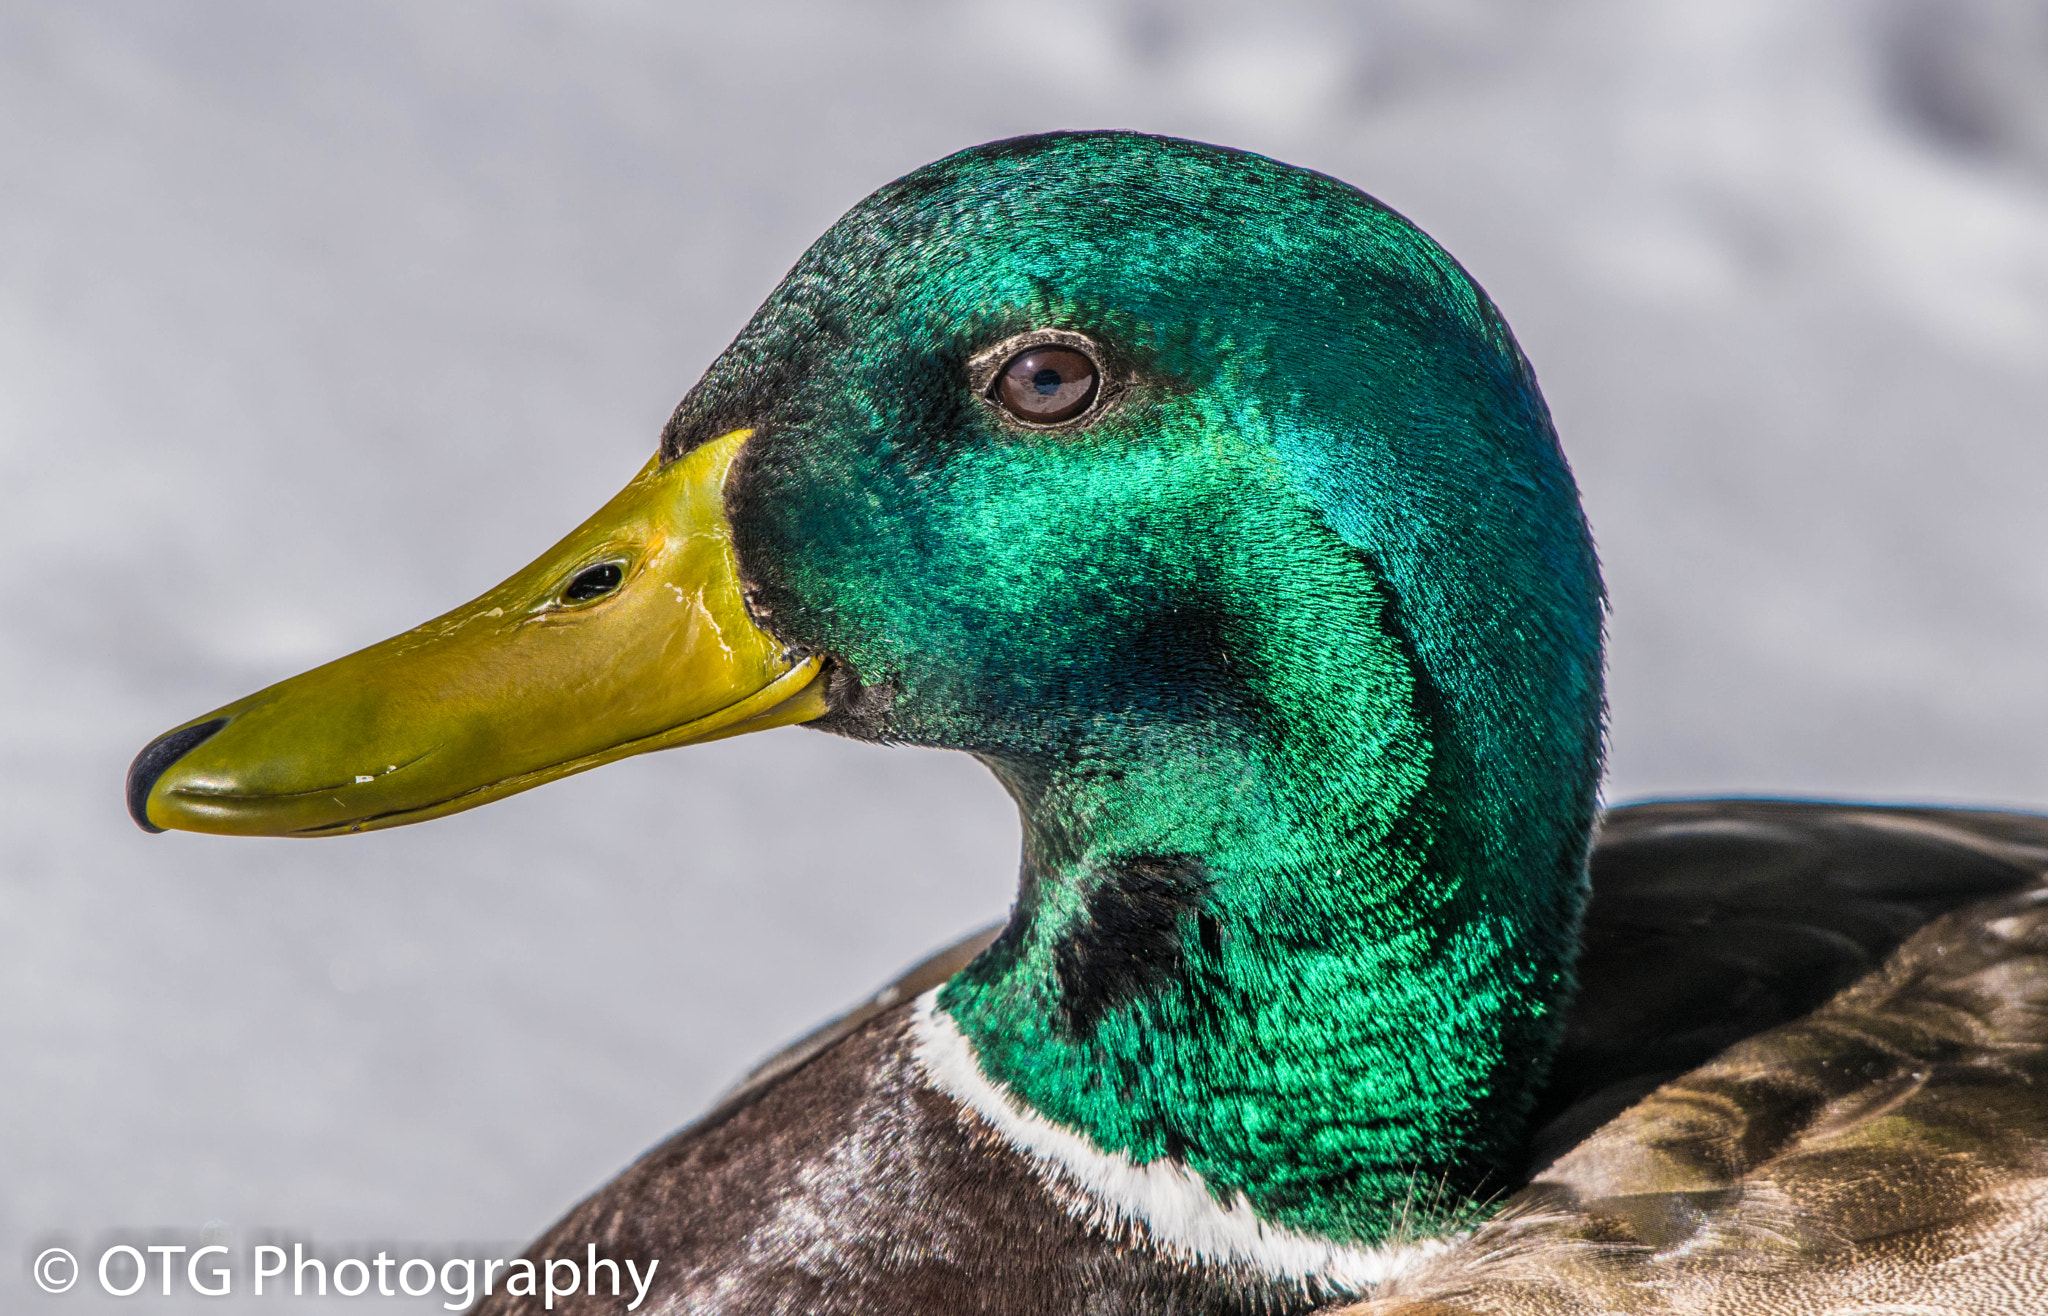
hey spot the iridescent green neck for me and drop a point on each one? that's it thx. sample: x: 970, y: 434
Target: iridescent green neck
x: 1269, y: 940
x: 1290, y: 655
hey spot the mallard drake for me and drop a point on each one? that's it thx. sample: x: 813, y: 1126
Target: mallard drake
x: 1214, y: 507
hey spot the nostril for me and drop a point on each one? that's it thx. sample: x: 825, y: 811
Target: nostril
x: 594, y: 582
x: 156, y: 757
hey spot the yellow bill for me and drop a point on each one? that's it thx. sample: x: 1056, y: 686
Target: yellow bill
x: 628, y: 636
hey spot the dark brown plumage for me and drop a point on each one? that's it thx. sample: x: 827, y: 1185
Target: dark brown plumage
x: 844, y: 1184
x: 1886, y: 1152
x: 1805, y: 1073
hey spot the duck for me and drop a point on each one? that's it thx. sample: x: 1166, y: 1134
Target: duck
x: 1215, y: 509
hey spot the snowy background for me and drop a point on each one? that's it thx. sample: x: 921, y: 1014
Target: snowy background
x: 315, y: 320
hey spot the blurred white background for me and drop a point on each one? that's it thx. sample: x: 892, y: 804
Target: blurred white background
x: 315, y: 320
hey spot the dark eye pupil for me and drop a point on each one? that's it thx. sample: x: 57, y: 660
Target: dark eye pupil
x: 1046, y: 385
x: 592, y: 582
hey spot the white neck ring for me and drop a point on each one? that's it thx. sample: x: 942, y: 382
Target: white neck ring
x: 1171, y: 1204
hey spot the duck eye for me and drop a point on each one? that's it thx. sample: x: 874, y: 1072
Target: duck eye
x: 593, y: 582
x: 1046, y: 385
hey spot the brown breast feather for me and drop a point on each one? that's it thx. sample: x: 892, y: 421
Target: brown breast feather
x: 1885, y: 1153
x: 1805, y: 1074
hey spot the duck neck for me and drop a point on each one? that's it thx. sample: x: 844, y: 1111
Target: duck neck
x: 1285, y: 942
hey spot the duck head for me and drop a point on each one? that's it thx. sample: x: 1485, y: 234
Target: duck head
x: 1211, y: 505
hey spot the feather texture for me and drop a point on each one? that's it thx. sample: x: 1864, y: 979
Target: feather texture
x: 1885, y: 1149
x: 1807, y: 1072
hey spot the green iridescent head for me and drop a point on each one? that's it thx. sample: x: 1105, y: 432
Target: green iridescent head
x: 1214, y: 507
x: 1293, y: 377
x: 1288, y: 643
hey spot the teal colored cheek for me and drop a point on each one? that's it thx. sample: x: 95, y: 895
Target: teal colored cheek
x: 1016, y: 564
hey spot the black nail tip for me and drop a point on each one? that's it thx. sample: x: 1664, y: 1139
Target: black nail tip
x: 155, y: 759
